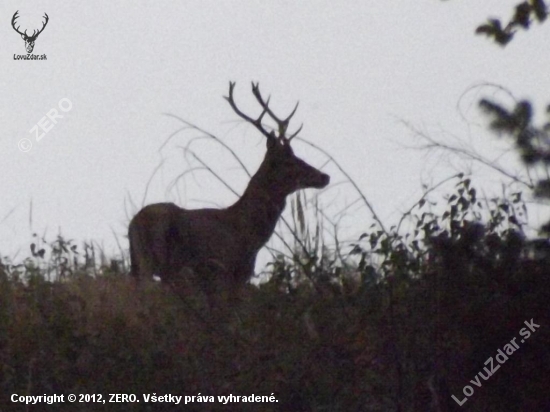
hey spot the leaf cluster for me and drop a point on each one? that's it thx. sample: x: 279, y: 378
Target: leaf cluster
x: 524, y: 15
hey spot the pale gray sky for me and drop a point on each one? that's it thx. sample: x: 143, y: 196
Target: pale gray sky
x: 357, y: 68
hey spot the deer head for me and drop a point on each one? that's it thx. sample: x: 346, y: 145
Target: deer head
x: 284, y: 172
x: 29, y: 40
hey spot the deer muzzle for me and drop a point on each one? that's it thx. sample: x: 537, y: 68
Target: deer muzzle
x: 318, y: 181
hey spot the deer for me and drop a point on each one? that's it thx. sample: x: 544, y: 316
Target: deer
x: 29, y: 40
x: 219, y: 246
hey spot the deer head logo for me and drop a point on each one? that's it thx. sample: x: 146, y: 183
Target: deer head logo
x: 29, y: 40
x: 166, y: 240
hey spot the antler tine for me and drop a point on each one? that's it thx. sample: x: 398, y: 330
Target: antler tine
x: 258, y: 95
x: 287, y: 121
x: 292, y: 113
x: 256, y: 122
x: 296, y: 132
x: 265, y: 104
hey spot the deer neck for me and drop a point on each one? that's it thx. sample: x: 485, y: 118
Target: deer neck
x: 256, y: 213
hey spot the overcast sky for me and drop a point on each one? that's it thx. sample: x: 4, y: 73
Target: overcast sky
x: 358, y: 69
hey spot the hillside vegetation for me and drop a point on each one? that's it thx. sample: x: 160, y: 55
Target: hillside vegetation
x: 402, y: 323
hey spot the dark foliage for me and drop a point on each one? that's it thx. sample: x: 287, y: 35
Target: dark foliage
x: 532, y: 142
x: 525, y: 13
x: 411, y: 323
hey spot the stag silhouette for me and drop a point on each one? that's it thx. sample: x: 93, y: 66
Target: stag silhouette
x: 29, y: 40
x: 171, y: 242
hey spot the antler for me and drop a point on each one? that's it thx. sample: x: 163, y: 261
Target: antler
x: 15, y: 16
x: 281, y: 124
x: 43, y: 26
x: 34, y: 34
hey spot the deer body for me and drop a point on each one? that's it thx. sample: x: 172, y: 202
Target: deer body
x: 166, y: 239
